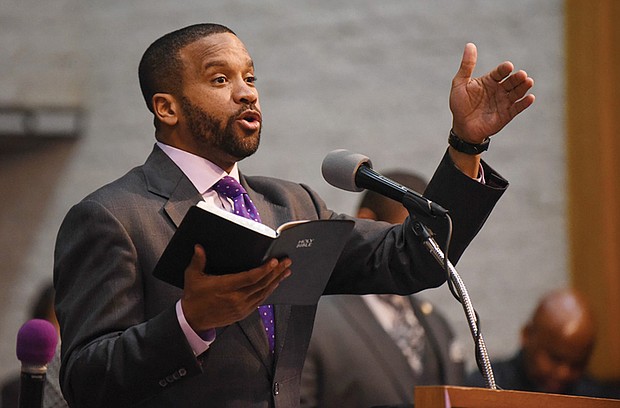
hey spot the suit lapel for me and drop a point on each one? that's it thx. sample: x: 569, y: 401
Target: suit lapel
x: 252, y: 327
x: 283, y: 314
x: 165, y: 179
x: 271, y: 214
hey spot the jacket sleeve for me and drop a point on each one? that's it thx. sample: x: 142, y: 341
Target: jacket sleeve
x: 111, y: 354
x: 380, y: 258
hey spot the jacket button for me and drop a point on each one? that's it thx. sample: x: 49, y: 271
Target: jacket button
x: 276, y: 388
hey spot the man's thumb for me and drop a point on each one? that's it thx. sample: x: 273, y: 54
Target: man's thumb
x: 198, y: 262
x: 468, y: 62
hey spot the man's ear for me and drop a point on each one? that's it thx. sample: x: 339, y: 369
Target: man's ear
x: 366, y: 213
x: 165, y: 108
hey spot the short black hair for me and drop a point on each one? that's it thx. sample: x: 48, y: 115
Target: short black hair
x: 376, y: 202
x: 160, y: 67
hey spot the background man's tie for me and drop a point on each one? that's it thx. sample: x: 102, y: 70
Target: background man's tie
x: 407, y: 331
x: 243, y: 206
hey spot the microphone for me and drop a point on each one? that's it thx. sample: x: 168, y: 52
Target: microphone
x: 353, y: 172
x: 36, y: 345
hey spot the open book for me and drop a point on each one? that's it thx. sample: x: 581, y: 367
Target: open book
x: 235, y: 244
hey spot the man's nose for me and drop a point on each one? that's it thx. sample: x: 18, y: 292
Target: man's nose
x: 245, y: 93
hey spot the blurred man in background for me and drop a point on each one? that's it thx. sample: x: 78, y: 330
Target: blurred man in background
x: 556, y: 345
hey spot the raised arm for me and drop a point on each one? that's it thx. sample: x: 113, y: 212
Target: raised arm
x: 482, y: 106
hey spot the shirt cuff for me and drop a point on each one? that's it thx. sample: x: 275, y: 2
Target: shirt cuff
x: 198, y: 343
x: 480, y: 178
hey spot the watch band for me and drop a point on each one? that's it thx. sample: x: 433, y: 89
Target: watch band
x: 465, y: 147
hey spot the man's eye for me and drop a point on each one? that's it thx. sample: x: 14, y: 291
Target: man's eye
x: 220, y: 80
x: 251, y: 79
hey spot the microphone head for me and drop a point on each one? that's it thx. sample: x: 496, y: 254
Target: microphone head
x: 36, y: 342
x: 340, y: 167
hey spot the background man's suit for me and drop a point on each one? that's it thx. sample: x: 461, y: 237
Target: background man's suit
x: 122, y: 344
x: 353, y: 362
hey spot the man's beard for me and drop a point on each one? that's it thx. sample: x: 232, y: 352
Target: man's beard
x: 208, y: 132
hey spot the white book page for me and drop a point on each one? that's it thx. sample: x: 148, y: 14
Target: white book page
x: 288, y: 225
x: 246, y: 222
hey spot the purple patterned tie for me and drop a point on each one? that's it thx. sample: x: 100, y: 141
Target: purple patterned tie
x: 243, y: 206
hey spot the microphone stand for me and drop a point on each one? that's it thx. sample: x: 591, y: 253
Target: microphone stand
x: 420, y: 230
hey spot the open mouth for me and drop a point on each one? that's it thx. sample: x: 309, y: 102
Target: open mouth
x: 250, y: 119
x: 251, y: 116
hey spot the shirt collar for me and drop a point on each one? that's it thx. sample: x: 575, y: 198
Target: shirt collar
x: 201, y: 172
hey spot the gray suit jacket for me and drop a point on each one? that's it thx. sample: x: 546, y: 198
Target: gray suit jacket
x: 122, y: 344
x: 352, y: 362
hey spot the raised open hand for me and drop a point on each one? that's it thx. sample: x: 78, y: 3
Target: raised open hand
x: 482, y: 106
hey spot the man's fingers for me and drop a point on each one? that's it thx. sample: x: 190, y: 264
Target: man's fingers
x: 256, y: 291
x: 257, y: 278
x: 520, y: 90
x: 513, y: 81
x: 247, y: 287
x: 522, y: 104
x: 280, y: 271
x: 260, y: 294
x: 500, y: 73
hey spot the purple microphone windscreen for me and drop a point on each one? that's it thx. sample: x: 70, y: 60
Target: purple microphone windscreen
x: 340, y: 167
x: 36, y: 342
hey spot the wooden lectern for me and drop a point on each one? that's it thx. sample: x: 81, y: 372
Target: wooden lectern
x: 465, y: 397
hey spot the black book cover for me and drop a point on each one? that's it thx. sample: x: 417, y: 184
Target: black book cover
x: 235, y: 244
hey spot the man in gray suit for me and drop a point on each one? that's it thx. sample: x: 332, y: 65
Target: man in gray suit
x: 372, y: 350
x: 132, y: 340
